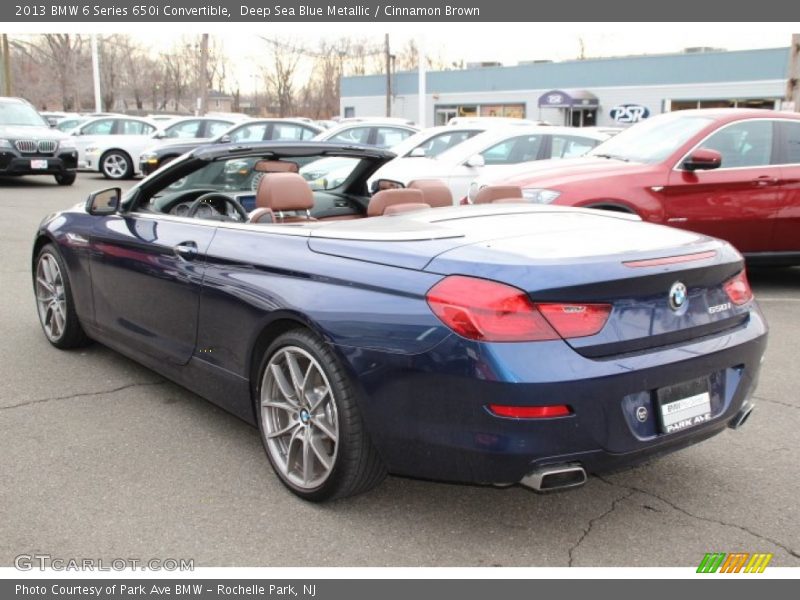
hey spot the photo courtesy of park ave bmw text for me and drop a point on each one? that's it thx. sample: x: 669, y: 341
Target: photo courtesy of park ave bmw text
x: 338, y: 299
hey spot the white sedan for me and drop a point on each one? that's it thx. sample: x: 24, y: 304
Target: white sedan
x: 490, y: 154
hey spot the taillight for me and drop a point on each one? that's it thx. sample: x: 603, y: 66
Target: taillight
x: 479, y: 309
x: 530, y: 412
x: 575, y: 320
x: 738, y: 289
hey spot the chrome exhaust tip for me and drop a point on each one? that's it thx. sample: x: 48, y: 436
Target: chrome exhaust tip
x: 553, y: 478
x: 741, y: 417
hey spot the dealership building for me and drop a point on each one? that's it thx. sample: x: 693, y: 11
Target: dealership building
x: 597, y: 91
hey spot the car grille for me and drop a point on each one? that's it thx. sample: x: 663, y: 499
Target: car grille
x: 32, y: 146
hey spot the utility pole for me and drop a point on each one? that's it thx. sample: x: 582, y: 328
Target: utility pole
x: 793, y: 80
x: 98, y: 97
x: 421, y: 88
x: 203, y: 75
x: 388, y: 77
x: 5, y: 69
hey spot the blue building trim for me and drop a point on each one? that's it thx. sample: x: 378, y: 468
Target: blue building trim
x: 666, y: 69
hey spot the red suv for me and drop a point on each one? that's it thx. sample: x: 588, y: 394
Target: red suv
x: 729, y: 173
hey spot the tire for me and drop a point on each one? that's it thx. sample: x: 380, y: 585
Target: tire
x: 116, y: 164
x: 66, y: 178
x: 54, y: 303
x: 319, y: 452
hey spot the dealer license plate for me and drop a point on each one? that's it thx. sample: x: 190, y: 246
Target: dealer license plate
x: 38, y: 164
x: 684, y: 405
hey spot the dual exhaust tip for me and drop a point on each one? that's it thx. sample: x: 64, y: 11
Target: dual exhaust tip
x: 553, y: 478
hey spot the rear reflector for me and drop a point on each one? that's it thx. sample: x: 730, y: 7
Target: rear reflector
x: 670, y: 260
x: 530, y: 412
x: 480, y: 309
x: 738, y: 289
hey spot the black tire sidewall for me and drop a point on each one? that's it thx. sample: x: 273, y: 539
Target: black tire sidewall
x: 65, y: 178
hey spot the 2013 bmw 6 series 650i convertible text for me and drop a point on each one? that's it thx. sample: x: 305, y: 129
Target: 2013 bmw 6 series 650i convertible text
x: 495, y: 344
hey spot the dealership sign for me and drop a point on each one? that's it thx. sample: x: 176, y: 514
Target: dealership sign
x: 629, y: 113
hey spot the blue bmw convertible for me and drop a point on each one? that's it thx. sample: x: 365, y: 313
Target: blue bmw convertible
x: 396, y: 333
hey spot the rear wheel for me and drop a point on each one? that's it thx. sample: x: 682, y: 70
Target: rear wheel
x: 310, y: 424
x: 116, y: 164
x: 67, y: 178
x: 54, y: 301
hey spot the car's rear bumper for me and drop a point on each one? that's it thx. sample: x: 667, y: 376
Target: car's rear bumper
x: 10, y: 164
x: 428, y: 414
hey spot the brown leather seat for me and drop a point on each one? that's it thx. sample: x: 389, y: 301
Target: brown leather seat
x: 497, y: 192
x: 379, y: 202
x: 396, y: 209
x: 282, y: 193
x: 509, y: 201
x: 434, y: 191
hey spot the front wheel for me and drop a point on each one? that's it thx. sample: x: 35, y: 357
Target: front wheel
x: 54, y: 301
x: 115, y: 164
x: 309, y: 421
x: 66, y: 178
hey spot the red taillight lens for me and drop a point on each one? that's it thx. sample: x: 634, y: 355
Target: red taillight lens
x: 479, y: 309
x: 464, y: 201
x: 575, y: 320
x: 738, y: 289
x: 485, y: 310
x: 530, y: 412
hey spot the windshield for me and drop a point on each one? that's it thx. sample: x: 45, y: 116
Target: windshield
x: 17, y: 113
x: 653, y: 140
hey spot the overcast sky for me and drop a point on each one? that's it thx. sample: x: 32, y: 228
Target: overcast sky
x: 470, y: 42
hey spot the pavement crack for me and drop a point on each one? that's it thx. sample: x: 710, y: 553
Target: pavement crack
x: 682, y: 510
x: 786, y: 404
x: 84, y: 394
x: 594, y: 520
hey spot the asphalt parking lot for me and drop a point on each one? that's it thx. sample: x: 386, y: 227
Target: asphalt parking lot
x: 102, y: 458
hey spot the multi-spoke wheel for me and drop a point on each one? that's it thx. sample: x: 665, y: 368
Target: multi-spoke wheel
x: 116, y: 164
x: 54, y: 301
x: 309, y: 421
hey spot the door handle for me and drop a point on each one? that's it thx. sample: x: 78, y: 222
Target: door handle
x: 765, y: 180
x: 186, y: 250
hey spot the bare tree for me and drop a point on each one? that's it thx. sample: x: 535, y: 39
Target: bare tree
x: 280, y: 74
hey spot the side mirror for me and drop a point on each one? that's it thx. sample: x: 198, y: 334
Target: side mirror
x: 417, y: 152
x: 159, y: 135
x: 476, y: 160
x: 703, y: 159
x: 225, y: 139
x: 103, y: 202
x: 51, y: 121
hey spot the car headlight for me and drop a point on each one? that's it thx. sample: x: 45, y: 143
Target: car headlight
x: 540, y: 195
x: 5, y: 144
x: 149, y: 157
x: 67, y: 145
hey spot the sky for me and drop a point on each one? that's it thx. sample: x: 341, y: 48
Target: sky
x: 470, y: 42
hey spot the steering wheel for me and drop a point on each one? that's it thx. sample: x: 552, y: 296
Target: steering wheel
x: 206, y: 198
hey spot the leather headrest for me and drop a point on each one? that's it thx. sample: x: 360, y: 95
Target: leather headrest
x: 435, y: 192
x: 284, y: 192
x: 381, y: 200
x: 395, y: 209
x: 275, y: 166
x: 496, y: 192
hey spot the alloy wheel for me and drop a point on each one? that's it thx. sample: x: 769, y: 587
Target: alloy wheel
x: 51, y: 297
x: 299, y: 418
x: 115, y: 166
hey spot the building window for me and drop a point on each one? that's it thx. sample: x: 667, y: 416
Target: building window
x: 446, y: 112
x: 349, y: 112
x: 766, y: 103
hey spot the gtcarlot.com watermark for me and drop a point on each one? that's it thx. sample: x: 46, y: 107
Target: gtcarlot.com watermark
x: 43, y: 562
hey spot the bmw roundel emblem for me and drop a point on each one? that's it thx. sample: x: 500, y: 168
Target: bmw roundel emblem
x: 641, y: 414
x: 677, y: 295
